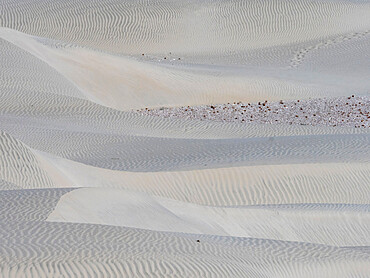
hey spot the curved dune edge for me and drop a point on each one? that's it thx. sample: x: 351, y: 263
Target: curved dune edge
x: 19, y: 74
x: 248, y: 185
x: 228, y: 186
x: 89, y: 188
x: 124, y: 83
x: 40, y: 103
x: 44, y: 114
x: 349, y: 226
x: 25, y: 205
x: 137, y: 154
x: 274, y: 184
x: 251, y: 185
x: 191, y: 28
x: 19, y: 165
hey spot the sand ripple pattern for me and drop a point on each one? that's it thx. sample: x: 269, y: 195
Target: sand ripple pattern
x: 5, y: 185
x: 301, y: 54
x: 145, y: 154
x: 29, y: 205
x: 90, y: 188
x: 76, y: 250
x: 18, y: 74
x: 19, y: 165
x: 160, y: 27
x: 316, y: 223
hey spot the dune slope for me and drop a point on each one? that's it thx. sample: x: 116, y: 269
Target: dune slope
x: 93, y: 183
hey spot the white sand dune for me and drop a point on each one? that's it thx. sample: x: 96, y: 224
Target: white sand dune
x: 69, y: 249
x: 247, y: 185
x: 186, y: 27
x: 90, y: 188
x: 141, y: 154
x: 29, y: 205
x: 251, y: 185
x: 339, y: 225
x: 45, y: 113
x: 18, y: 74
x: 32, y: 247
x: 19, y: 166
x: 126, y: 83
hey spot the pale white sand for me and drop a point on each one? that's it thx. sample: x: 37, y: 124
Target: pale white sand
x: 89, y: 188
x: 323, y: 224
x: 126, y: 82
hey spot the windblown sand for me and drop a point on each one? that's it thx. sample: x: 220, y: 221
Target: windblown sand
x: 166, y: 139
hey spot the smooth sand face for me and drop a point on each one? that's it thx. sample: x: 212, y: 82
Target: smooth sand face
x: 134, y: 82
x: 89, y: 188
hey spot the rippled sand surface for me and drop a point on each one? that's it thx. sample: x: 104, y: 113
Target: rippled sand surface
x: 185, y: 138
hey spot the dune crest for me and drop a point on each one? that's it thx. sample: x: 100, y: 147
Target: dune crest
x: 195, y: 138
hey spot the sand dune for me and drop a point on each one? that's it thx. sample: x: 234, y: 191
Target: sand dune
x: 29, y: 205
x: 45, y: 249
x: 126, y: 83
x: 248, y: 185
x: 59, y: 249
x: 89, y: 187
x: 46, y: 113
x: 160, y: 27
x: 325, y: 224
x: 19, y: 165
x: 251, y: 185
x: 17, y: 67
x: 140, y: 154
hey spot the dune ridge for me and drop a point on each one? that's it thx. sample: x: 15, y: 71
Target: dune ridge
x: 325, y: 225
x: 90, y: 187
x: 164, y: 24
x: 118, y: 81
